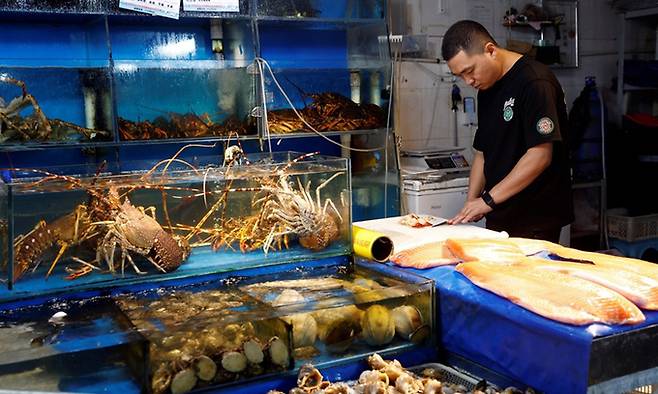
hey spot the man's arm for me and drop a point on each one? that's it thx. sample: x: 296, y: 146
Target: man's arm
x: 476, y: 178
x: 526, y: 170
x: 476, y: 181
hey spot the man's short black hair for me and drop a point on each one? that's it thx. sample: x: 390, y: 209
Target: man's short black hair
x: 465, y: 35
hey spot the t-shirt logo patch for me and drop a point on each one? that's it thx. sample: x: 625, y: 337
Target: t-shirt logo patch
x: 508, y: 111
x: 545, y: 125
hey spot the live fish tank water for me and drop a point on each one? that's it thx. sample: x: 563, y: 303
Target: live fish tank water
x: 207, y: 336
x: 71, y: 346
x: 73, y: 102
x: 172, y: 80
x: 58, y: 93
x: 341, y: 313
x: 76, y: 6
x: 212, y: 331
x: 326, y: 9
x: 209, y: 101
x: 171, y: 221
x: 335, y: 81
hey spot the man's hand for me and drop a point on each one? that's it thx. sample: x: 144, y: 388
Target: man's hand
x: 472, y: 211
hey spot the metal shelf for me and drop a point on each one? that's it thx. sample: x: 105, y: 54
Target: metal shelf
x: 326, y: 133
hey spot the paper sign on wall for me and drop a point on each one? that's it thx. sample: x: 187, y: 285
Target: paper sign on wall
x: 212, y: 5
x: 166, y: 8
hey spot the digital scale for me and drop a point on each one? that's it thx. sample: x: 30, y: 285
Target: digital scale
x: 435, y: 181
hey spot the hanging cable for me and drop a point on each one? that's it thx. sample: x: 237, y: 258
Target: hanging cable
x: 260, y: 61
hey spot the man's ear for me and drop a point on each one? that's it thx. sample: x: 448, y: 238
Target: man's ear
x: 490, y: 49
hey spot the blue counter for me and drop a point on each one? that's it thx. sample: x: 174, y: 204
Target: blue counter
x: 494, y: 333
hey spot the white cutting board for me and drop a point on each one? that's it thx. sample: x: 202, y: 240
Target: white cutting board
x: 406, y: 237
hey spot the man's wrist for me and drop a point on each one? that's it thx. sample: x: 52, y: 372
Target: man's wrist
x: 486, y: 197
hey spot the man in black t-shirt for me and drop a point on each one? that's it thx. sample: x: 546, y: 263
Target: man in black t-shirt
x: 520, y: 176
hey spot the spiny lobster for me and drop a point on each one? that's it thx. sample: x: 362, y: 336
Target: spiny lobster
x: 108, y: 222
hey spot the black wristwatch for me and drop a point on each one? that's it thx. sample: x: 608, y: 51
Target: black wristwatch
x: 488, y: 199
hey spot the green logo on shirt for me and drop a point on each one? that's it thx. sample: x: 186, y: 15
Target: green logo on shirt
x: 545, y: 125
x: 508, y: 111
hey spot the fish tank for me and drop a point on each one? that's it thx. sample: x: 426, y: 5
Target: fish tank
x: 58, y: 93
x: 73, y: 232
x: 206, y: 336
x: 334, y: 84
x: 187, y: 78
x: 59, y: 6
x: 325, y: 9
x: 71, y: 346
x: 211, y: 331
x: 341, y: 313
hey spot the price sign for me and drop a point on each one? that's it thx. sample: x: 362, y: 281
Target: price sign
x: 212, y: 5
x: 166, y: 8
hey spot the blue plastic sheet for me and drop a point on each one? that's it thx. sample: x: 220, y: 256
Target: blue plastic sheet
x: 510, y: 340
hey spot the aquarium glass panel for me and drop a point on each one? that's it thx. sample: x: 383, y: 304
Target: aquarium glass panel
x: 325, y: 9
x: 75, y: 232
x: 176, y: 81
x: 59, y: 6
x: 208, y: 335
x: 71, y: 346
x: 341, y: 314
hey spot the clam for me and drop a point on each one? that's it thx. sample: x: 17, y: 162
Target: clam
x: 367, y: 283
x: 326, y: 317
x: 278, y: 351
x: 304, y: 329
x: 378, y: 294
x: 205, y: 368
x: 339, y: 334
x: 377, y: 326
x: 288, y: 297
x: 420, y: 334
x: 253, y: 350
x: 407, y: 319
x: 212, y: 341
x: 183, y: 381
x: 234, y: 362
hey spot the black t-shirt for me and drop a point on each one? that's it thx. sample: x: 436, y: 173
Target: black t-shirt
x: 523, y: 109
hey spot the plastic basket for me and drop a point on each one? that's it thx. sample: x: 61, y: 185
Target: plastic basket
x: 631, y: 228
x: 446, y: 374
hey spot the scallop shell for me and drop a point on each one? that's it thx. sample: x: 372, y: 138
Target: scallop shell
x: 288, y: 297
x: 304, y: 329
x: 183, y: 381
x: 377, y: 325
x: 407, y: 319
x: 234, y: 362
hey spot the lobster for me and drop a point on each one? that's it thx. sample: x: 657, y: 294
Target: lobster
x: 110, y: 223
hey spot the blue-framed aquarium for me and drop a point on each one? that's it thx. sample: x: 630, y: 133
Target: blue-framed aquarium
x: 215, y: 331
x: 322, y: 9
x: 67, y: 232
x: 176, y: 79
x: 57, y: 88
x: 71, y: 346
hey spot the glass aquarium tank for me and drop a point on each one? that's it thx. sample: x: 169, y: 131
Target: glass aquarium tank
x: 210, y: 331
x: 339, y: 313
x: 207, y: 336
x: 325, y: 9
x: 59, y: 6
x: 73, y: 232
x: 335, y: 81
x: 183, y: 79
x: 71, y: 346
x: 54, y: 93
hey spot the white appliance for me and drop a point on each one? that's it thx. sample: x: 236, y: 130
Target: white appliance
x: 435, y: 181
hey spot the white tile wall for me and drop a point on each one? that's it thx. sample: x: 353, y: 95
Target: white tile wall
x: 424, y: 115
